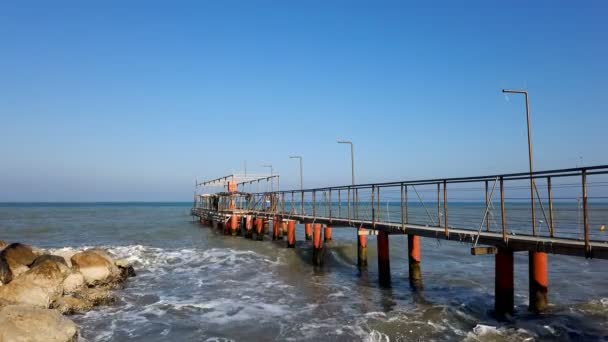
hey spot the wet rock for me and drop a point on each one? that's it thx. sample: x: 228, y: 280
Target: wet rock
x: 96, y: 267
x: 125, y: 267
x: 69, y: 305
x: 44, y: 257
x: 97, y: 296
x: 19, y: 253
x: 2, y: 244
x: 26, y: 323
x: 6, y: 275
x: 40, y: 286
x: 74, y: 282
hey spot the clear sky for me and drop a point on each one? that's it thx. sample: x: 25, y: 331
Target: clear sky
x: 127, y: 100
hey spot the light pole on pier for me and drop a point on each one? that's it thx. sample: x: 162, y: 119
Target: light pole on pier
x: 271, y: 173
x: 530, y: 161
x: 301, y: 181
x: 352, y: 157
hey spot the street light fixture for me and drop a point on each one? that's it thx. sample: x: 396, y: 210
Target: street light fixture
x: 525, y: 93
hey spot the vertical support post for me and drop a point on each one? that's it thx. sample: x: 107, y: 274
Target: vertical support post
x: 302, y: 204
x: 379, y: 213
x: 538, y: 281
x: 234, y: 225
x: 339, y: 205
x: 314, y: 205
x: 361, y: 248
x: 413, y: 249
x: 266, y: 226
x: 402, y: 208
x: 503, y: 218
x: 259, y: 228
x: 373, y: 206
x: 308, y: 231
x: 503, y: 283
x: 445, y: 208
x: 327, y: 233
x: 585, y: 214
x: 487, y: 206
x: 317, y: 245
x: 282, y: 229
x: 348, y: 205
x: 407, y: 211
x: 384, y: 266
x: 248, y: 227
x: 329, y: 205
x: 439, y: 204
x: 550, y: 194
x: 276, y: 225
x: 291, y: 234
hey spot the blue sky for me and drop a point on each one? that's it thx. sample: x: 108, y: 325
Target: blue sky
x: 113, y: 101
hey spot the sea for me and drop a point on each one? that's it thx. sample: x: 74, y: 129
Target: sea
x: 195, y: 284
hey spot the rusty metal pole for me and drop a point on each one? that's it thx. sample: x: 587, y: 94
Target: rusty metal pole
x: 317, y: 246
x: 438, y: 204
x: 487, y: 206
x: 384, y: 266
x: 291, y: 234
x: 445, y: 208
x: 413, y: 249
x: 503, y: 283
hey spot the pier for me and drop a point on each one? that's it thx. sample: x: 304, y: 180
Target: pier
x: 447, y: 209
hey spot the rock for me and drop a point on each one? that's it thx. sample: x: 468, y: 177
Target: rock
x: 125, y: 267
x: 97, y: 296
x: 17, y: 268
x: 66, y: 254
x: 6, y: 275
x: 73, y: 283
x: 2, y: 244
x: 69, y: 305
x: 40, y: 286
x: 44, y: 257
x: 20, y: 253
x: 95, y: 267
x: 29, y: 324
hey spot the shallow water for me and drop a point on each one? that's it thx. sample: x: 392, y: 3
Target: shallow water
x: 195, y: 284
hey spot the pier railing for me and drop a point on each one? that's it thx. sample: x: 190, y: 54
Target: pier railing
x: 568, y: 203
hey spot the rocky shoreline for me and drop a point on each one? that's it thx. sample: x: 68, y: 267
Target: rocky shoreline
x: 37, y: 288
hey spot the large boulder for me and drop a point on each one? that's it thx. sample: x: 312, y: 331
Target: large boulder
x: 125, y: 267
x: 66, y: 254
x: 45, y: 257
x: 40, y: 286
x: 2, y: 244
x: 74, y: 282
x: 28, y: 324
x: 6, y: 275
x: 19, y: 253
x: 97, y: 268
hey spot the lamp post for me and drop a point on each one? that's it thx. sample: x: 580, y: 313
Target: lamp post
x: 301, y: 181
x: 271, y: 173
x: 352, y: 157
x: 530, y: 161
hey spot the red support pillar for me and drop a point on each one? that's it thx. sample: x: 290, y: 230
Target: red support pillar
x: 539, y: 281
x: 282, y: 229
x: 384, y: 266
x: 276, y: 226
x: 413, y: 248
x: 361, y: 248
x: 327, y: 234
x: 503, y: 283
x: 291, y: 234
x: 248, y: 227
x: 266, y: 226
x: 308, y: 231
x: 234, y: 225
x: 317, y: 245
x: 259, y: 228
